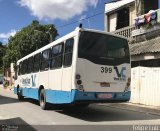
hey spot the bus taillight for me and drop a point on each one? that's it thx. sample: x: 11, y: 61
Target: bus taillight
x: 78, y: 77
x: 79, y: 82
x: 128, y: 84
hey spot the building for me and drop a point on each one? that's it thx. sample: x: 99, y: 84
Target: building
x: 120, y: 19
x: 139, y: 21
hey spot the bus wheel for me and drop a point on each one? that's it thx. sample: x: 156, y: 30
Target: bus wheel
x: 20, y: 97
x: 42, y: 99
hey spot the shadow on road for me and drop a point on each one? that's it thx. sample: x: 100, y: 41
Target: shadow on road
x: 15, y: 124
x: 33, y: 101
x: 7, y: 100
x: 98, y: 113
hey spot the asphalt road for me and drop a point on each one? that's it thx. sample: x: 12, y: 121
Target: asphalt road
x: 28, y: 115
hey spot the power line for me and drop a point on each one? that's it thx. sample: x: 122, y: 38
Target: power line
x: 87, y: 18
x: 76, y: 21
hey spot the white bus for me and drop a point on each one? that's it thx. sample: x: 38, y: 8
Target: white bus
x: 83, y: 67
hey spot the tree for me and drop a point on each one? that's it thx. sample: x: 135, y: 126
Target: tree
x: 29, y: 39
x: 2, y: 52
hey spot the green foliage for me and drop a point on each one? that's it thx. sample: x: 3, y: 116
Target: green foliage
x: 5, y: 83
x: 1, y: 70
x: 29, y: 39
x: 2, y: 52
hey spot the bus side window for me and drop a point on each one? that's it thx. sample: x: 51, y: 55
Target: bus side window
x: 30, y: 65
x: 56, y: 56
x: 45, y: 60
x: 68, y: 52
x: 36, y: 65
x: 16, y: 72
x: 19, y: 68
x: 24, y: 67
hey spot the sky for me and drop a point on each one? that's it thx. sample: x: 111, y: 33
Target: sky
x: 16, y: 14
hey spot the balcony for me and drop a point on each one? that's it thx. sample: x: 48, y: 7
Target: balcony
x: 126, y: 31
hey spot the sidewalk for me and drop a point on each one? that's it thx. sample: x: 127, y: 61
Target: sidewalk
x: 8, y: 88
x: 1, y: 86
x: 135, y: 107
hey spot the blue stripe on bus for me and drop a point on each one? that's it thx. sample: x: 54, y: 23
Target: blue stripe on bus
x: 28, y: 92
x: 64, y: 97
x: 93, y: 95
x: 57, y: 97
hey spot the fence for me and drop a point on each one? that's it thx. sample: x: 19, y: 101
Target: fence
x: 145, y: 86
x: 126, y: 31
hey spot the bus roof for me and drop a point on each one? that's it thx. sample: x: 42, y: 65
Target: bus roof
x: 72, y: 34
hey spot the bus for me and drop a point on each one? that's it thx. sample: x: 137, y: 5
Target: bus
x: 85, y: 66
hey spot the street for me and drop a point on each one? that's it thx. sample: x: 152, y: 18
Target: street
x: 28, y: 112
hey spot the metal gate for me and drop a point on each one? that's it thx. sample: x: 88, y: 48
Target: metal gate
x: 145, y: 86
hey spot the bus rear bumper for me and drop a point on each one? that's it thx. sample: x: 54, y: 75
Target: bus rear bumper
x: 101, y: 96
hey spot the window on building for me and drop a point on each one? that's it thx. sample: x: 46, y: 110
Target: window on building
x: 122, y: 18
x: 57, y: 56
x: 150, y: 5
x: 68, y: 52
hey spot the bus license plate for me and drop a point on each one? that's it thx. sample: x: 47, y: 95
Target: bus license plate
x: 105, y: 96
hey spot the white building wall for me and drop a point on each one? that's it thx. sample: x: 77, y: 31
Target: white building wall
x: 115, y: 5
x: 112, y: 22
x: 145, y: 86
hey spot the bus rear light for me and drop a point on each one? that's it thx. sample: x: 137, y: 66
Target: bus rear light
x: 78, y: 77
x: 128, y: 84
x: 127, y: 88
x: 81, y: 88
x: 79, y: 82
x: 129, y: 81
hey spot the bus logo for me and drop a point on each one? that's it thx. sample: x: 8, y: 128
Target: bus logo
x: 33, y: 80
x: 120, y: 73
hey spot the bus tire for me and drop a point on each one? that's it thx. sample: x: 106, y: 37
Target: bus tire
x: 19, y: 94
x: 42, y: 99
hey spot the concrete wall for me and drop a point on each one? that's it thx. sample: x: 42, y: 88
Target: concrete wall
x: 145, y: 86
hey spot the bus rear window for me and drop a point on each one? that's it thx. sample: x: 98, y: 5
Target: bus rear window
x: 98, y: 46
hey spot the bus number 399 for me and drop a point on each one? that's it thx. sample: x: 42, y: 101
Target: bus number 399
x: 106, y: 70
